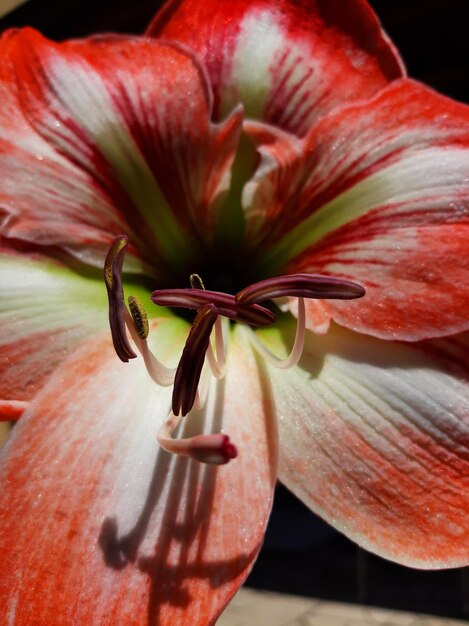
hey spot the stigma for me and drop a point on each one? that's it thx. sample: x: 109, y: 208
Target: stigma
x: 204, y: 352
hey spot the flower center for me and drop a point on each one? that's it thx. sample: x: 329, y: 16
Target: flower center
x: 190, y: 385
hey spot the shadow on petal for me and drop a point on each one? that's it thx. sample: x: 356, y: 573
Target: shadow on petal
x: 182, y: 552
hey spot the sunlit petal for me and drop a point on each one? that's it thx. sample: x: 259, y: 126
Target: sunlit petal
x: 110, y: 529
x: 375, y: 438
x: 377, y: 193
x: 46, y: 310
x: 128, y: 125
x: 287, y: 62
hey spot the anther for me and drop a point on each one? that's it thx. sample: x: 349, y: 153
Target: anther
x: 136, y: 321
x: 301, y: 286
x: 113, y: 279
x: 251, y: 314
x: 196, y: 282
x: 158, y: 372
x: 139, y: 316
x: 192, y: 360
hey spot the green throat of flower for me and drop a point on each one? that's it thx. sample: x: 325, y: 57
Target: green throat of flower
x: 190, y: 388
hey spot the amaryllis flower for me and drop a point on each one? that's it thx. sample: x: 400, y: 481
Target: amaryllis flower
x: 256, y: 176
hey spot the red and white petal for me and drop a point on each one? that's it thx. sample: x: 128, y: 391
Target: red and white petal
x: 46, y: 310
x: 99, y: 525
x: 378, y: 193
x: 287, y: 62
x: 415, y: 279
x: 269, y: 198
x: 374, y: 437
x: 45, y: 197
x: 132, y: 115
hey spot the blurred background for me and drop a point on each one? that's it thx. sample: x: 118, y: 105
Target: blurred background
x: 302, y: 554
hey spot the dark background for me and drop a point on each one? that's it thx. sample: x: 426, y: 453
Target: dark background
x: 302, y: 554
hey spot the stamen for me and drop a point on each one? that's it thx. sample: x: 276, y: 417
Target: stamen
x: 196, y: 282
x: 117, y: 309
x: 191, y: 378
x: 159, y: 373
x: 215, y: 449
x: 298, y: 344
x: 139, y: 316
x: 136, y: 321
x: 192, y: 360
x: 301, y: 286
x: 251, y: 314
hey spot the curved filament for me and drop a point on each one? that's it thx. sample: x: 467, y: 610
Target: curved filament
x: 298, y: 344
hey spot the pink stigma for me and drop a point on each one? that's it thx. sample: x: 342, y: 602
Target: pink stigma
x: 215, y: 449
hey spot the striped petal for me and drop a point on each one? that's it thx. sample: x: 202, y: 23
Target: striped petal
x: 126, y: 124
x: 45, y: 197
x: 101, y: 526
x: 377, y: 193
x: 46, y: 310
x: 375, y: 439
x: 288, y: 62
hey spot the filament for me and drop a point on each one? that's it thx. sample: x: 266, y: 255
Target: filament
x: 218, y: 363
x: 298, y: 344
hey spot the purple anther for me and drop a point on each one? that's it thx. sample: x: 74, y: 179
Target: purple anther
x: 251, y: 314
x: 190, y: 365
x: 115, y: 292
x: 300, y: 286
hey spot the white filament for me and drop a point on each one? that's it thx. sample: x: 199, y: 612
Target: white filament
x: 164, y: 436
x: 298, y: 344
x: 202, y: 389
x: 218, y: 363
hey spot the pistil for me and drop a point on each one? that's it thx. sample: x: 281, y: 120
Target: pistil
x: 215, y: 449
